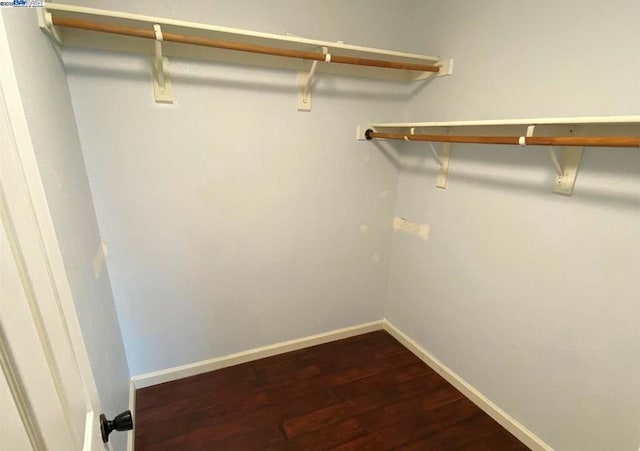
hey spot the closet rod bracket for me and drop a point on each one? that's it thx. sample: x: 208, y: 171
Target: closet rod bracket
x: 304, y: 81
x: 45, y: 22
x: 162, y: 87
x: 443, y: 158
x: 435, y: 155
x: 567, y: 167
x: 556, y: 162
x: 446, y: 69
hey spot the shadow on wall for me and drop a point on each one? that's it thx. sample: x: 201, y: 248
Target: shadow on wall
x: 254, y: 78
x: 391, y: 151
x: 609, y: 176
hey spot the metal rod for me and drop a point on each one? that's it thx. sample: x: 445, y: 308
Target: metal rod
x: 577, y: 141
x: 239, y: 46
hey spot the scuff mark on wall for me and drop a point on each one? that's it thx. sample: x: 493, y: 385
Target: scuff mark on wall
x: 412, y: 228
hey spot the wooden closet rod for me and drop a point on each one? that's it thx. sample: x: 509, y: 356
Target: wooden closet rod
x: 579, y: 141
x: 239, y: 46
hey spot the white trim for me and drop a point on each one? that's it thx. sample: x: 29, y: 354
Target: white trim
x: 179, y: 372
x: 132, y: 407
x: 508, y: 422
x: 534, y: 121
x: 88, y: 426
x: 18, y: 392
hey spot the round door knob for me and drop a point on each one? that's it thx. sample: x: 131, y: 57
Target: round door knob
x: 122, y: 422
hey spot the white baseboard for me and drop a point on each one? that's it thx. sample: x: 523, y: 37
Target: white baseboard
x: 509, y: 423
x: 179, y: 372
x: 132, y: 408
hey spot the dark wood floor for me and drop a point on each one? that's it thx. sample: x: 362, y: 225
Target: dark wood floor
x: 364, y: 392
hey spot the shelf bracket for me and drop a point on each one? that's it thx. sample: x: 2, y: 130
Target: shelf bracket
x: 443, y: 172
x: 567, y: 167
x: 45, y: 22
x: 162, y: 88
x: 435, y: 155
x: 556, y: 163
x: 442, y: 158
x: 304, y: 81
x: 446, y: 67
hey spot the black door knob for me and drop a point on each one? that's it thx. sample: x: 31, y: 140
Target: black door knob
x: 122, y: 422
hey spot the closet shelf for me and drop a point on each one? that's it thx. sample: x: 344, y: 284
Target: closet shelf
x: 584, y: 120
x: 91, y: 28
x: 572, y: 134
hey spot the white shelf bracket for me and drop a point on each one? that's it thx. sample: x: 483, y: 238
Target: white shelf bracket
x: 441, y: 158
x: 552, y: 152
x: 162, y: 88
x: 556, y: 163
x: 567, y: 169
x: 360, y: 132
x: 435, y: 155
x: 566, y: 166
x: 304, y: 81
x: 45, y: 22
x: 444, y: 157
x: 446, y: 67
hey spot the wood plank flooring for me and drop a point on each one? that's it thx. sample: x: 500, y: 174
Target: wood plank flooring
x: 362, y: 393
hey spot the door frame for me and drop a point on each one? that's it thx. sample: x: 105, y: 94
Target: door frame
x: 31, y: 234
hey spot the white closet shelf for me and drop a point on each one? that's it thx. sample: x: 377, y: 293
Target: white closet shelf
x: 585, y: 120
x: 83, y: 38
x: 571, y: 134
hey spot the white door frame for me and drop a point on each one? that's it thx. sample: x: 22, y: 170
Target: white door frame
x: 29, y: 227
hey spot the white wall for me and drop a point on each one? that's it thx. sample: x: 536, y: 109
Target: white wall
x: 232, y: 220
x: 531, y: 297
x: 47, y: 104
